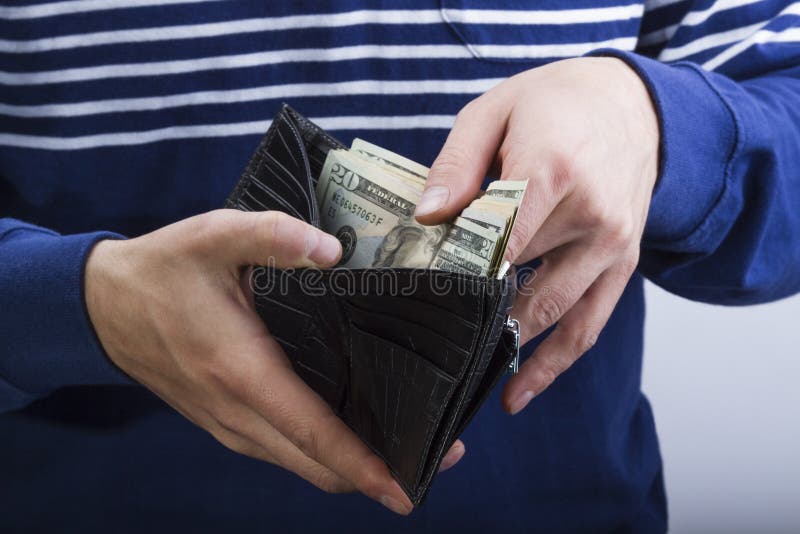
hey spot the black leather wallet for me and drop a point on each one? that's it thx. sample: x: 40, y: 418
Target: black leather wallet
x: 404, y: 356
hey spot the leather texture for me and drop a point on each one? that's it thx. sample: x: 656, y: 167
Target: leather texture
x: 404, y: 356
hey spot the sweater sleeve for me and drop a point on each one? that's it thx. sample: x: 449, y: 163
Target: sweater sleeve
x: 47, y: 338
x: 724, y: 221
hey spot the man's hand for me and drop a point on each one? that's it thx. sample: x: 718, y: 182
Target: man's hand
x: 585, y: 134
x: 173, y: 310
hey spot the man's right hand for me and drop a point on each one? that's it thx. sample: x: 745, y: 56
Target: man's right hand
x: 172, y: 310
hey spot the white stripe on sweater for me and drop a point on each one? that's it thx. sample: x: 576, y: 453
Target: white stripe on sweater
x: 326, y: 20
x: 256, y: 59
x: 789, y: 35
x: 692, y: 18
x: 535, y: 17
x: 267, y: 92
x: 82, y: 6
x: 722, y: 38
x: 222, y: 130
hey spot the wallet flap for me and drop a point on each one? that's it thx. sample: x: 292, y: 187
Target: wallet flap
x: 282, y: 174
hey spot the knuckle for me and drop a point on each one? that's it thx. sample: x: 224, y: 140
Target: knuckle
x: 280, y: 230
x: 225, y: 416
x: 367, y: 483
x: 620, y: 231
x: 615, y: 229
x: 305, y: 438
x: 548, y: 372
x: 548, y: 307
x: 592, y: 214
x: 562, y: 172
x: 586, y: 342
x: 450, y: 162
x: 330, y: 482
x: 204, y: 230
x: 230, y: 441
x: 268, y: 224
x: 629, y: 263
x: 584, y: 338
x: 218, y: 374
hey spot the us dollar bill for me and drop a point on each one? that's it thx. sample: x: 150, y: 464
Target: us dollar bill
x: 468, y: 248
x: 404, y: 167
x: 371, y: 212
x: 367, y: 196
x: 511, y: 194
x: 510, y: 191
x: 486, y: 218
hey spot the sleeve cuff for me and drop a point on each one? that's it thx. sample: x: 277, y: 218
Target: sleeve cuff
x: 51, y: 342
x: 698, y: 136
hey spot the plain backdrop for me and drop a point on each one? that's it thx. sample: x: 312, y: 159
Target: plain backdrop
x: 724, y: 383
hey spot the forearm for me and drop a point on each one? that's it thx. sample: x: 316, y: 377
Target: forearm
x: 47, y: 339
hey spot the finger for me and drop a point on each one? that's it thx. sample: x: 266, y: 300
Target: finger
x: 459, y: 169
x: 452, y: 457
x: 243, y: 430
x: 547, y: 190
x: 576, y: 333
x: 269, y: 238
x: 272, y: 388
x: 564, y: 276
x: 538, y: 207
x: 557, y: 230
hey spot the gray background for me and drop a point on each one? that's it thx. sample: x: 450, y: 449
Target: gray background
x: 723, y: 385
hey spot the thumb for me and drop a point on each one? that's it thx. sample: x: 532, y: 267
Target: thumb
x: 459, y: 169
x: 272, y: 238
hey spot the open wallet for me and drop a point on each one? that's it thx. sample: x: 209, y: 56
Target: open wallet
x: 405, y: 357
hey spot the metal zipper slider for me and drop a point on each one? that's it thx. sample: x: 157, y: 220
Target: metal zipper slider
x: 512, y: 326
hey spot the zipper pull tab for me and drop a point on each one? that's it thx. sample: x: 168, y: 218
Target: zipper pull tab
x: 512, y: 326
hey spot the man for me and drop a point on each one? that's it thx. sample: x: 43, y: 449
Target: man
x: 122, y: 117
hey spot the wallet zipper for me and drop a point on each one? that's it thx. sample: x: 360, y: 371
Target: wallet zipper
x: 512, y: 327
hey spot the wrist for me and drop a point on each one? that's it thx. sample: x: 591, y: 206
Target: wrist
x: 641, y: 115
x: 102, y: 293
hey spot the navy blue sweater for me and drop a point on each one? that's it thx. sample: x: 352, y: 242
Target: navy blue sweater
x: 118, y: 117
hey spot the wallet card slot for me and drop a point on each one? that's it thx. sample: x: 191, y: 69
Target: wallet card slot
x: 444, y: 354
x: 396, y: 401
x: 453, y: 325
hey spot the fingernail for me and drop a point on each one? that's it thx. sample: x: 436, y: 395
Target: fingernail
x: 432, y: 200
x: 521, y: 401
x: 394, y: 505
x: 322, y: 248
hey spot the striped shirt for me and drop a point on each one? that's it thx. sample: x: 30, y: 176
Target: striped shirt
x: 120, y: 116
x: 90, y: 73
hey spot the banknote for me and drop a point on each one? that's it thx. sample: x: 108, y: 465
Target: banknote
x: 507, y: 190
x: 371, y: 212
x: 486, y: 217
x: 403, y: 166
x: 367, y: 196
x: 468, y: 248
